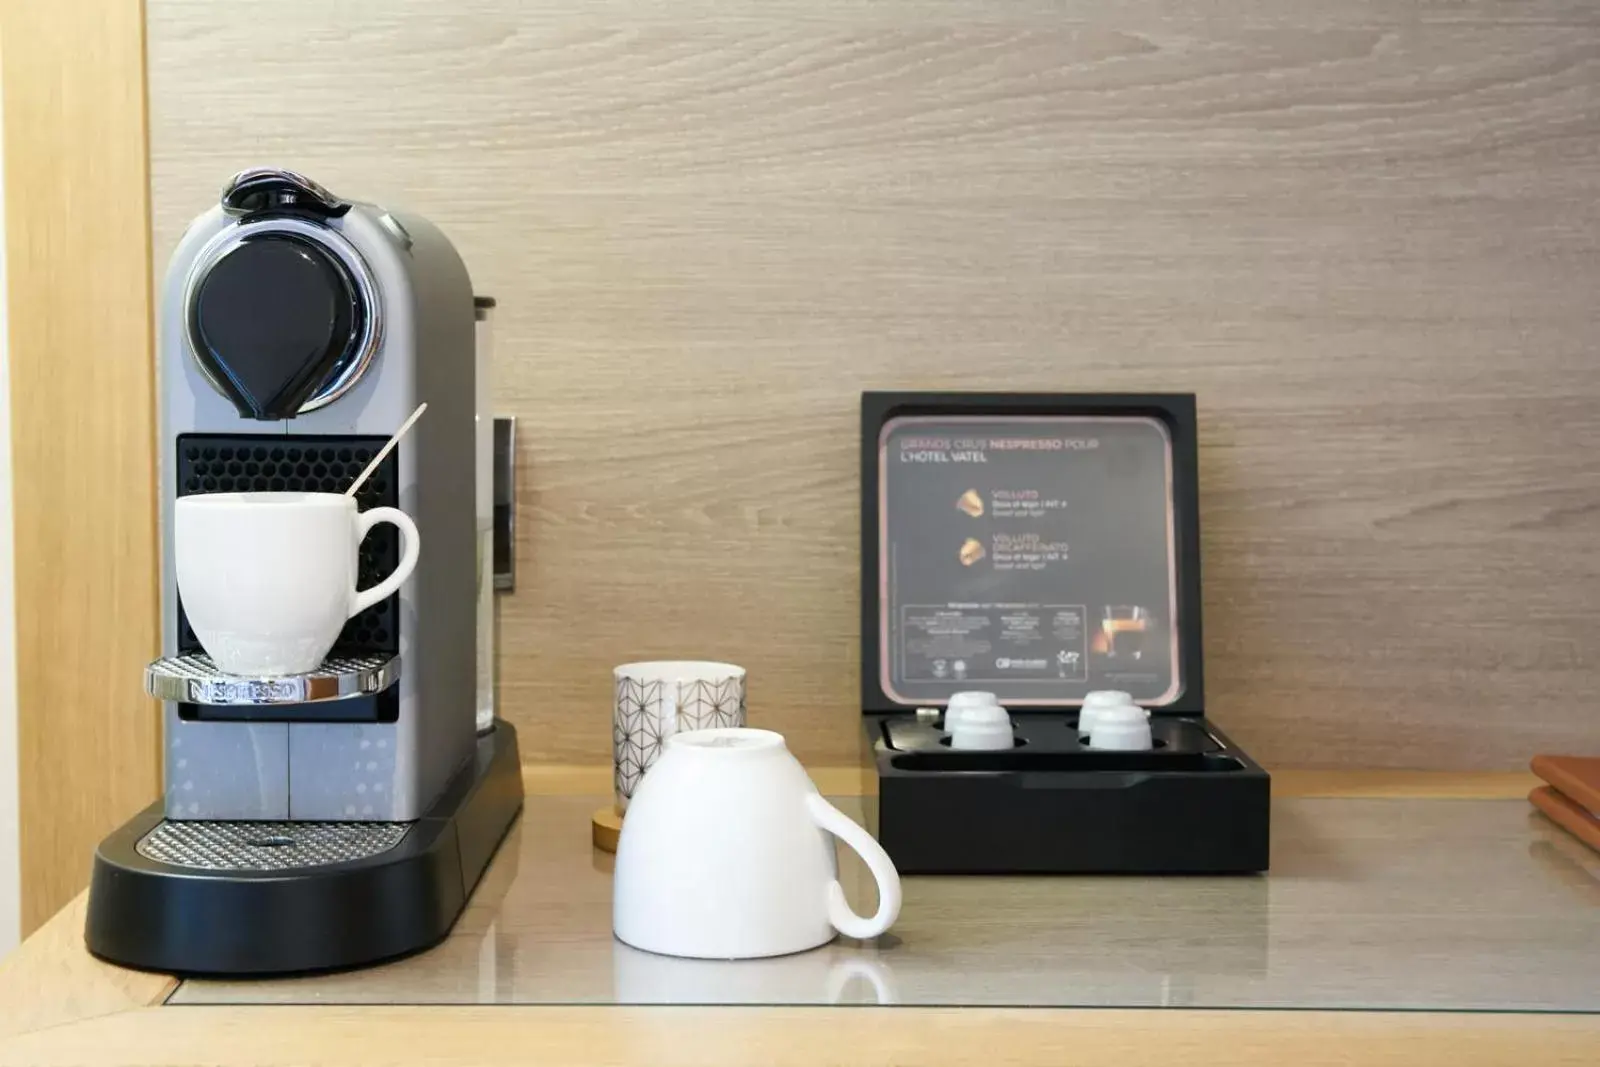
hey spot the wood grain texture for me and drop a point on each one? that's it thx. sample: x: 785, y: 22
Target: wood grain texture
x: 709, y: 1037
x: 52, y: 980
x: 1366, y: 234
x: 82, y: 431
x: 1396, y: 785
x: 1566, y: 813
x: 1576, y: 776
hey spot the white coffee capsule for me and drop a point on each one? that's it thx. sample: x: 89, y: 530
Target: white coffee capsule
x: 1095, y: 701
x: 982, y: 727
x: 960, y: 703
x: 1121, y: 729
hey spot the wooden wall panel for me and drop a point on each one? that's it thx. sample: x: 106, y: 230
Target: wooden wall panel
x: 82, y: 431
x: 1367, y: 234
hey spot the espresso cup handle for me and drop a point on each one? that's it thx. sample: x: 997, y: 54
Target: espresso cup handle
x: 362, y: 599
x: 878, y: 862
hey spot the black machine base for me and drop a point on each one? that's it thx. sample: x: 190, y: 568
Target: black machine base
x: 211, y: 916
x: 1197, y: 804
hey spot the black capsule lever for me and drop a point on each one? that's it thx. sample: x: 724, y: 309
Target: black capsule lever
x: 269, y: 190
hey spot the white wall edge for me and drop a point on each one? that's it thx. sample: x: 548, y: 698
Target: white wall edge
x: 10, y: 828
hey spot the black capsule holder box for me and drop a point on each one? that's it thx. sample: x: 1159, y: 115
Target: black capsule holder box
x: 950, y: 584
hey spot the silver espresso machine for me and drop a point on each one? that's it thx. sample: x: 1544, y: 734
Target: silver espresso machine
x: 296, y: 332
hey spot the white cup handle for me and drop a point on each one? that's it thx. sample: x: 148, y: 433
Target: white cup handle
x: 362, y: 599
x: 878, y: 862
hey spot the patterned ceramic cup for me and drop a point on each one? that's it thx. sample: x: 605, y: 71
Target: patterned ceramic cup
x: 657, y: 700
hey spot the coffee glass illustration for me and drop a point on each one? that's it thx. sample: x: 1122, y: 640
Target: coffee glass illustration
x: 1127, y: 629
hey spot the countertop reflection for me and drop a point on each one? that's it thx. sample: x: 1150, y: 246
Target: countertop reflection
x: 1376, y: 904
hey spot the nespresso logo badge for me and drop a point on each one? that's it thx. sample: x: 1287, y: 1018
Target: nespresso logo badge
x: 251, y: 691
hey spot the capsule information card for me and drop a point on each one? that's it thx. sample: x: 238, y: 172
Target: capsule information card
x: 1032, y: 556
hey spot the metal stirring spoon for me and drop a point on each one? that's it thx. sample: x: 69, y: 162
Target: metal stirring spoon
x: 386, y: 449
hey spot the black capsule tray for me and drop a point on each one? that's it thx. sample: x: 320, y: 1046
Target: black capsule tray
x: 1195, y: 804
x: 1051, y: 742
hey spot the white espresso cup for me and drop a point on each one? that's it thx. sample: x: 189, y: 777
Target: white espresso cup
x: 268, y: 580
x: 658, y: 699
x: 727, y: 853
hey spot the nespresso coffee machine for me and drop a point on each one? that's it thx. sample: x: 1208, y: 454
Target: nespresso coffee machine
x: 344, y: 816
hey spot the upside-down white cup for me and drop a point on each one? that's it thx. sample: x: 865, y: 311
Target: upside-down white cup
x: 727, y: 852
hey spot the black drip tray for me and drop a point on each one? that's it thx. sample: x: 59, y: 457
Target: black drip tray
x: 251, y: 899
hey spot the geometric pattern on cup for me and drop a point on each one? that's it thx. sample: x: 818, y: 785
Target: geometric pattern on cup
x: 640, y: 727
x: 706, y: 704
x: 638, y: 730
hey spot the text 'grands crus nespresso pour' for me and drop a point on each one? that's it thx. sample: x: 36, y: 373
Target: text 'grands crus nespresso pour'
x: 976, y: 449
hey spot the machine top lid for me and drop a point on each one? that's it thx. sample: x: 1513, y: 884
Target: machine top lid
x: 265, y: 189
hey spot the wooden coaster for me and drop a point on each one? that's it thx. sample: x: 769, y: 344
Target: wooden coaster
x: 1567, y: 814
x: 1576, y: 777
x: 607, y: 827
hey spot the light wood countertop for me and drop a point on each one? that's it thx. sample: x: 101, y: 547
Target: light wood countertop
x: 62, y: 1006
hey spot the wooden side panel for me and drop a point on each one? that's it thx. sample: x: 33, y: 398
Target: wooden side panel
x: 510, y: 1036
x: 51, y: 980
x: 77, y: 230
x: 1366, y: 233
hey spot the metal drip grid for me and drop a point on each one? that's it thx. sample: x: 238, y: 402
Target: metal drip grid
x: 193, y: 679
x: 267, y: 846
